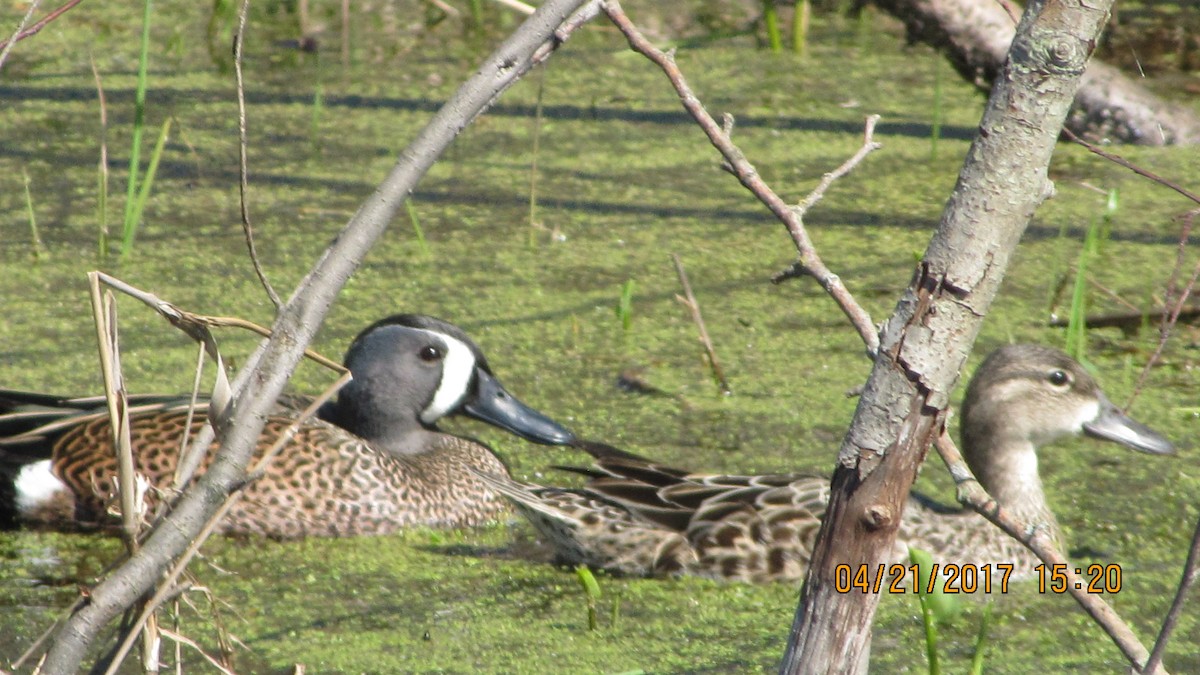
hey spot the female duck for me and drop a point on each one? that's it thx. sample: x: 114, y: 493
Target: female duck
x: 374, y: 462
x: 635, y: 517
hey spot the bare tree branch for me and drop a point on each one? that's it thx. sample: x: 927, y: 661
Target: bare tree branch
x: 924, y: 344
x: 741, y: 167
x: 243, y: 162
x: 265, y: 373
x: 689, y: 300
x: 36, y: 28
x: 972, y: 494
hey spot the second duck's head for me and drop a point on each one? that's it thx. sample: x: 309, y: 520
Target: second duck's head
x: 1025, y: 396
x: 410, y: 370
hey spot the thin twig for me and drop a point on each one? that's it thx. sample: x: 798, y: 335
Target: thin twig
x: 869, y: 145
x: 181, y: 639
x: 1011, y: 9
x: 195, y: 325
x: 1191, y: 568
x: 693, y: 305
x: 810, y: 261
x: 1168, y: 322
x: 243, y: 170
x: 565, y: 30
x: 344, y: 13
x: 1171, y: 313
x: 1112, y: 294
x: 446, y: 7
x: 535, y: 152
x: 8, y: 44
x: 265, y: 372
x: 21, y: 33
x: 36, y: 647
x: 1121, y: 161
x: 190, y: 453
x: 798, y: 268
x: 102, y: 206
x: 517, y: 5
x: 167, y: 586
x: 105, y: 314
x: 1191, y: 571
x: 1037, y: 539
x: 811, y: 264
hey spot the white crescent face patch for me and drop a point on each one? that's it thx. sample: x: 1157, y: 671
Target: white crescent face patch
x: 458, y: 367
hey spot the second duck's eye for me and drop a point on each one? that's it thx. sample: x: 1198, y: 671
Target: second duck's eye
x: 1058, y: 378
x: 430, y: 353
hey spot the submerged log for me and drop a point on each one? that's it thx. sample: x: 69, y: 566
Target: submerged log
x: 975, y: 36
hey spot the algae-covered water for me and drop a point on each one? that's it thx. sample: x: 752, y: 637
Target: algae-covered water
x: 623, y: 179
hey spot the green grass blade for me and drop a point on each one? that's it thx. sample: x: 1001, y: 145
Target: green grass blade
x: 935, y: 127
x: 144, y: 191
x: 591, y: 589
x: 625, y: 305
x: 102, y: 209
x: 1076, y: 344
x: 924, y: 561
x: 139, y: 123
x: 422, y: 245
x: 981, y: 640
x: 800, y: 21
x: 771, y: 19
x: 39, y: 249
x: 318, y: 109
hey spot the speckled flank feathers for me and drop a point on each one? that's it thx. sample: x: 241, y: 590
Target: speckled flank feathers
x: 371, y: 464
x: 639, y: 518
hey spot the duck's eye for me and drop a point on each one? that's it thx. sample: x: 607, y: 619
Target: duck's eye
x: 430, y: 353
x: 1058, y: 378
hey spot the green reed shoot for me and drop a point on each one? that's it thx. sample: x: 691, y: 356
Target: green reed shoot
x: 314, y: 122
x: 477, y: 14
x: 937, y: 608
x: 39, y: 249
x: 102, y: 207
x: 935, y: 126
x: 534, y: 223
x: 625, y: 305
x: 1097, y: 232
x: 101, y: 168
x: 133, y: 216
x: 801, y: 17
x: 422, y: 244
x: 1076, y: 342
x: 981, y: 640
x: 591, y: 590
x: 771, y: 19
x: 139, y: 124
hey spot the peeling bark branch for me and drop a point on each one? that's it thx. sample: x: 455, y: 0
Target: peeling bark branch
x: 924, y: 344
x: 266, y: 372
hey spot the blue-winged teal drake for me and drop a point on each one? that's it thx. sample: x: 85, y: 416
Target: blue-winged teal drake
x: 636, y: 517
x: 374, y: 461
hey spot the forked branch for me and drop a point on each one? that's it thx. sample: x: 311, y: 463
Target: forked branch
x: 810, y: 262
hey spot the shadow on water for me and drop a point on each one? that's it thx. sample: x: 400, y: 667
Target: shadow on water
x: 167, y: 97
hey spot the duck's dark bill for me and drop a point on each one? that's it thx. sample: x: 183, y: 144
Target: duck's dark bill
x: 494, y: 405
x: 1113, y: 425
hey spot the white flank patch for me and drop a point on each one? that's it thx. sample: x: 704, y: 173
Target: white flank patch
x: 36, y: 485
x: 457, y: 369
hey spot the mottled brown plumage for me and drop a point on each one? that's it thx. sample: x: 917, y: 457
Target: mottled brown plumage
x: 636, y: 517
x: 372, y: 463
